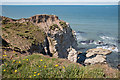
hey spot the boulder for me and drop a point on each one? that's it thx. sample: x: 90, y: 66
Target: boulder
x: 96, y: 55
x: 96, y: 59
x: 94, y: 51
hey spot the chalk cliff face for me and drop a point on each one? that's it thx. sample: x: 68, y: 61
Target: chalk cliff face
x: 42, y: 33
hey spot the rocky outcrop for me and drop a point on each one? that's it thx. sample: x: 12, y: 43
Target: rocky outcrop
x: 96, y: 59
x: 59, y: 34
x: 94, y: 51
x: 72, y: 56
x: 41, y: 33
x: 96, y: 55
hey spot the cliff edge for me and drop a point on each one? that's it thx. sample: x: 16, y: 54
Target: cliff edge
x: 45, y: 34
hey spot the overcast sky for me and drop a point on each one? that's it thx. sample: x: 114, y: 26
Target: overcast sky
x: 63, y: 1
x: 59, y: 0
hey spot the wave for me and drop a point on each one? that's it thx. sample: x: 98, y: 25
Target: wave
x: 109, y: 40
x: 105, y: 42
x: 80, y: 36
x: 107, y: 37
x: 111, y: 48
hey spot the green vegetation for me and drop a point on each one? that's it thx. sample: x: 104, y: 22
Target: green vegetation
x: 3, y: 29
x: 5, y: 21
x: 9, y: 25
x: 54, y: 26
x: 28, y: 31
x: 63, y: 24
x: 39, y: 66
x: 24, y: 34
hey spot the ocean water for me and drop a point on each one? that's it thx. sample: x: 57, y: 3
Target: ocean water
x: 95, y: 25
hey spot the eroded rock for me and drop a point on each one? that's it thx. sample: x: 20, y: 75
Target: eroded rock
x: 96, y: 59
x: 96, y: 55
x: 72, y: 56
x: 94, y: 51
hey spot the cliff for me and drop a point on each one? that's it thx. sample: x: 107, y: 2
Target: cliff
x: 45, y: 34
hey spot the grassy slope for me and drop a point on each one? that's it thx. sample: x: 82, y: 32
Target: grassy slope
x: 40, y: 66
x: 22, y: 35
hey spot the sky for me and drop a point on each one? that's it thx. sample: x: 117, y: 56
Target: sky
x: 58, y: 2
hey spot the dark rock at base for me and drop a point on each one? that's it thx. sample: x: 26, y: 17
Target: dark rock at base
x: 100, y: 42
x: 118, y: 41
x: 87, y: 41
x: 118, y: 66
x: 82, y: 42
x: 81, y: 58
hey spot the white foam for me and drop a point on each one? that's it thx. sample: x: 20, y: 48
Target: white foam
x: 106, y: 42
x: 79, y: 37
x: 109, y: 40
x: 107, y: 37
x: 114, y: 49
x: 83, y: 43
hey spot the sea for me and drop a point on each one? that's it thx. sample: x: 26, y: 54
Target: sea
x: 96, y: 26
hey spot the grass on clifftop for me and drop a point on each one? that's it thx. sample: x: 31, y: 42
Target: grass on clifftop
x: 39, y: 66
x: 24, y: 34
x: 63, y: 24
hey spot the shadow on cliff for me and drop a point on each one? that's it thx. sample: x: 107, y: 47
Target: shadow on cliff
x: 47, y: 47
x: 81, y: 58
x: 65, y: 41
x: 40, y: 48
